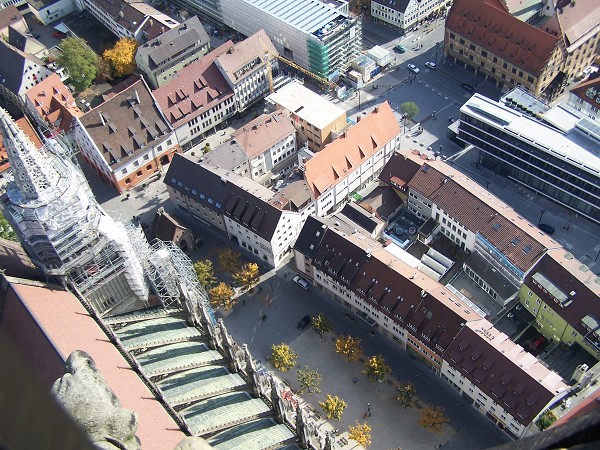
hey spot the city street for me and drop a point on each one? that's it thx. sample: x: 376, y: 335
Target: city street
x: 284, y: 304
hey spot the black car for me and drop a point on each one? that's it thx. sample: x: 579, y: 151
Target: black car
x: 546, y: 229
x: 304, y: 322
x: 467, y: 87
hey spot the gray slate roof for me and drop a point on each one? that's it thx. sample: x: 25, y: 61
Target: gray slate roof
x: 205, y: 185
x: 173, y: 41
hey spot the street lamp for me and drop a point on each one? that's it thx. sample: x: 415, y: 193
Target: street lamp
x: 541, y: 215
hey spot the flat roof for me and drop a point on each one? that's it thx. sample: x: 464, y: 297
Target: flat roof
x: 567, y: 146
x: 306, y: 104
x: 305, y: 15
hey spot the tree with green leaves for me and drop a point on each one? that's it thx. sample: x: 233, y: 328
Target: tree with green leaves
x: 205, y: 273
x: 229, y: 260
x: 248, y: 276
x: 546, y: 419
x: 406, y: 394
x: 409, y: 109
x: 282, y: 357
x: 6, y: 231
x: 321, y: 324
x: 333, y: 406
x: 360, y: 433
x: 80, y: 61
x: 221, y: 296
x: 376, y: 369
x: 349, y: 347
x: 309, y: 380
x: 433, y: 419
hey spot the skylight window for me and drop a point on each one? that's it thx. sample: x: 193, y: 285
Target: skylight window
x: 497, y: 226
x: 515, y: 241
x: 527, y: 249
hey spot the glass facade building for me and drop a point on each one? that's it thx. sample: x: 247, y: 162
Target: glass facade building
x: 563, y: 166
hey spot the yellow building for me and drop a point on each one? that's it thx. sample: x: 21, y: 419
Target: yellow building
x: 564, y: 297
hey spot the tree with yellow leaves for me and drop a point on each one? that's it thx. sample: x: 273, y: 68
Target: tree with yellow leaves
x: 376, y: 369
x: 349, y: 347
x: 122, y: 57
x: 333, y: 406
x: 433, y: 418
x: 221, y: 295
x: 360, y: 433
x: 248, y: 276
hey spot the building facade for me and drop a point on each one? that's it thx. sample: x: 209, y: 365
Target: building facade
x: 126, y: 139
x: 563, y: 165
x: 51, y: 105
x: 563, y: 296
x: 264, y: 150
x: 247, y: 66
x: 319, y: 36
x: 161, y: 58
x: 541, y: 48
x: 405, y: 15
x: 260, y: 221
x: 317, y: 121
x: 48, y: 11
x: 352, y: 161
x: 133, y: 19
x: 499, y: 46
x: 585, y: 97
x: 198, y: 100
x: 501, y: 380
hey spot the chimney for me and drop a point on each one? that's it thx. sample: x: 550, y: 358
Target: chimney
x: 102, y: 118
x: 137, y: 97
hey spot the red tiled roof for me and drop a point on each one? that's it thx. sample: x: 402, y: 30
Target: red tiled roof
x: 67, y: 327
x: 344, y: 155
x: 399, y: 170
x: 588, y: 91
x: 195, y: 89
x: 262, y: 133
x: 490, y: 26
x: 53, y: 101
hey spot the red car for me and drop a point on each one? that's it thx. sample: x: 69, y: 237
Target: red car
x: 59, y: 34
x: 537, y: 343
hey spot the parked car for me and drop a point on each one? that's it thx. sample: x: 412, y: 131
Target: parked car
x: 467, y: 87
x: 301, y: 282
x: 400, y: 48
x: 537, y: 343
x: 546, y: 229
x: 431, y: 65
x: 304, y: 322
x: 413, y: 68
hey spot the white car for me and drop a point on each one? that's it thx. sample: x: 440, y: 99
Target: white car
x: 430, y: 65
x: 413, y: 68
x: 301, y: 282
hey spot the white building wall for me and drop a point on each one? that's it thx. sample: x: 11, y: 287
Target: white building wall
x: 481, y: 401
x: 584, y: 107
x: 196, y: 210
x: 53, y: 12
x: 193, y: 130
x: 104, y: 18
x: 33, y: 73
x: 248, y: 19
x: 358, y: 179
